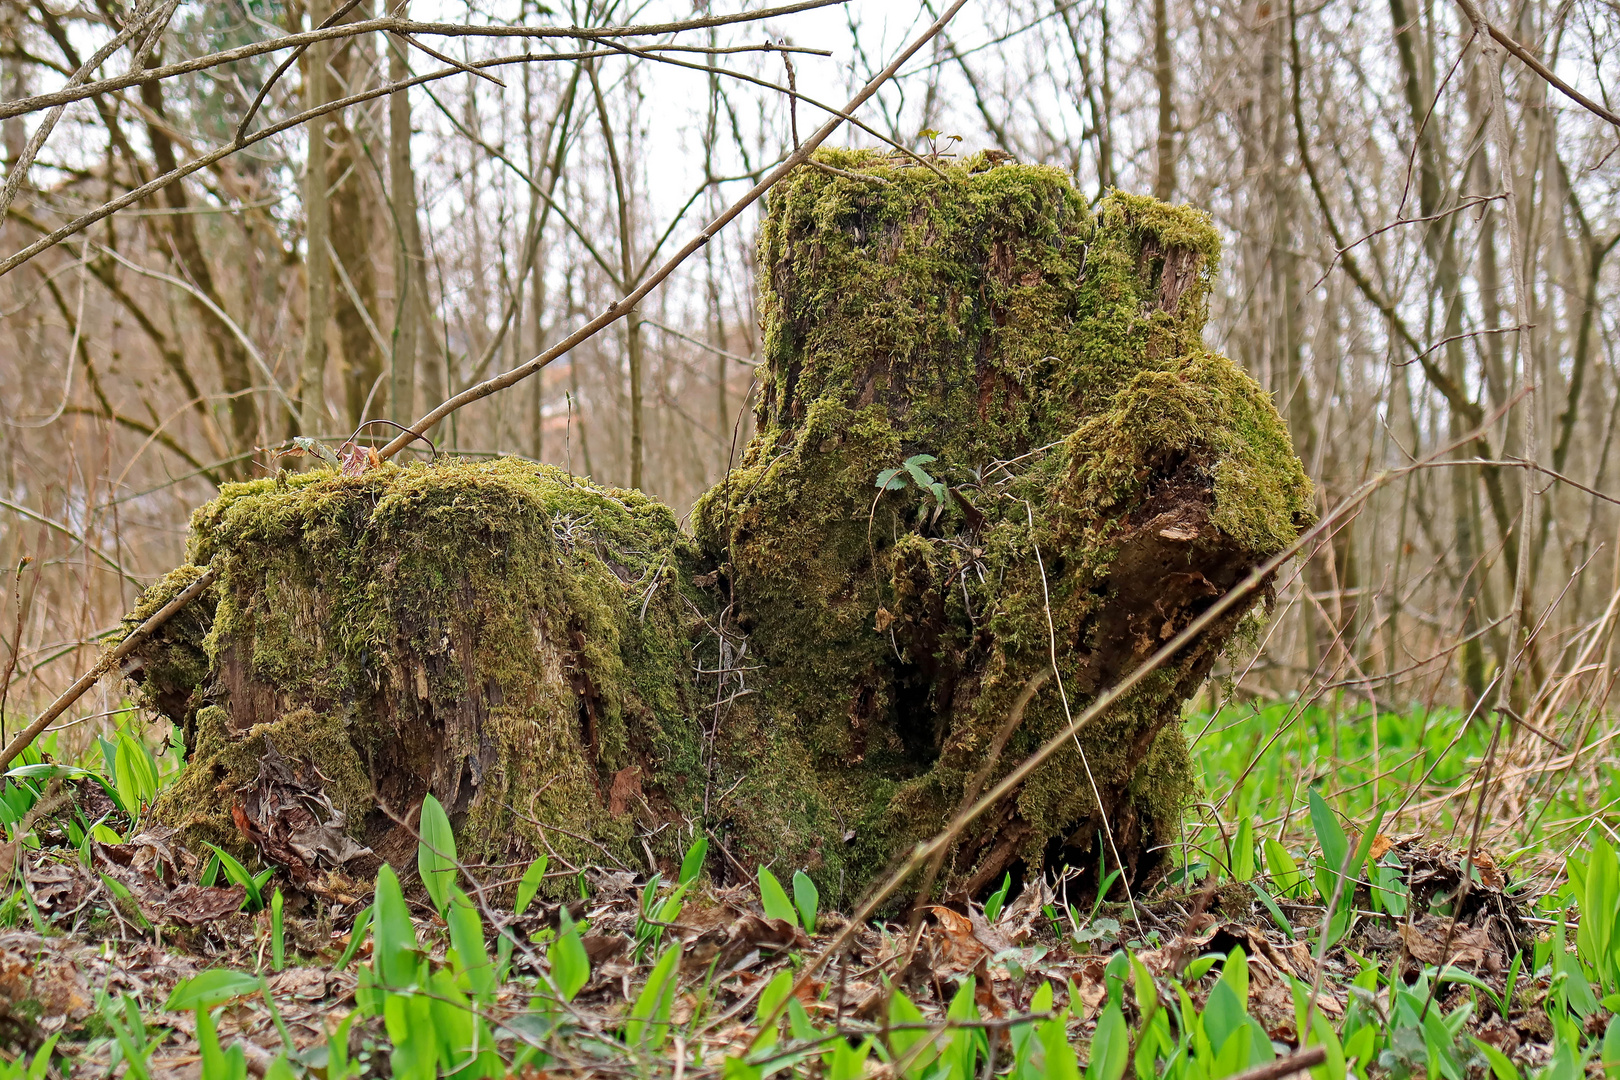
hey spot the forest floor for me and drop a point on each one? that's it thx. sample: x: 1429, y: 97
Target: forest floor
x: 115, y: 960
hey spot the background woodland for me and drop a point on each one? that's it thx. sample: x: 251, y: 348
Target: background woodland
x: 1419, y: 236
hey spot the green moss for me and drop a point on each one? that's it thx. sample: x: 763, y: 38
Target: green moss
x: 499, y: 633
x: 1050, y: 358
x: 173, y: 662
x: 1169, y: 226
x: 223, y: 762
x: 1206, y: 408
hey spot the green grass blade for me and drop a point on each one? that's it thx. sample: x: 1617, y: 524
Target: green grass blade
x: 529, y: 884
x: 436, y: 853
x: 775, y: 899
x: 807, y: 898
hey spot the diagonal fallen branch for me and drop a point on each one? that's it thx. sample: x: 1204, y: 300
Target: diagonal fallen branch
x: 1239, y: 593
x: 1308, y: 1058
x: 622, y: 307
x: 111, y: 657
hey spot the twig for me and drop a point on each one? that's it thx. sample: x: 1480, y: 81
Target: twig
x: 67, y: 531
x: 392, y: 25
x: 846, y: 174
x: 281, y: 68
x: 1308, y: 1058
x: 208, y: 302
x: 135, y: 195
x: 744, y: 360
x: 793, y: 96
x: 1467, y: 204
x: 620, y: 308
x: 486, y: 76
x: 23, y: 598
x: 1463, y: 337
x: 19, y: 167
x: 1529, y: 60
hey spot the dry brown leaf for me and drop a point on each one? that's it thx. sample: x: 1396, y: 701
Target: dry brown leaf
x: 195, y: 905
x: 1091, y: 984
x: 746, y: 934
x: 1425, y: 940
x: 50, y: 985
x: 286, y: 814
x: 989, y: 936
x: 955, y: 947
x: 300, y: 982
x: 603, y: 947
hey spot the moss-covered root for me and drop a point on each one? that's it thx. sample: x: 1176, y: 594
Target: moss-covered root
x: 502, y: 635
x: 1091, y: 477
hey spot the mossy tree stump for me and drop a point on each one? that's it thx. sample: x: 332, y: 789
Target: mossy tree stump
x: 1107, y: 477
x: 506, y: 637
x: 823, y: 676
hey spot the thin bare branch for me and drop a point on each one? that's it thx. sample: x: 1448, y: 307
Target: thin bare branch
x: 622, y: 307
x: 391, y: 25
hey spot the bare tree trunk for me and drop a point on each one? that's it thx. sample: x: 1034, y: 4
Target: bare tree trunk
x: 1287, y: 341
x: 13, y: 80
x: 236, y: 377
x: 711, y: 137
x: 1439, y: 241
x: 350, y: 222
x: 632, y: 333
x: 576, y: 416
x: 311, y: 393
x: 1164, y: 182
x: 409, y: 296
x: 627, y: 279
x: 537, y: 343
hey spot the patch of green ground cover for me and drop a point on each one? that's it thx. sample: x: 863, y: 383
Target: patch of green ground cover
x: 1260, y: 761
x: 454, y: 995
x: 437, y: 997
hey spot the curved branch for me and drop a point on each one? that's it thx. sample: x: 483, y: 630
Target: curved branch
x: 1529, y: 60
x: 622, y: 307
x: 154, y: 434
x: 393, y: 26
x: 84, y: 221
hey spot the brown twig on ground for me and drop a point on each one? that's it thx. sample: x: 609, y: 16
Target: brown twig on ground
x: 1308, y: 1058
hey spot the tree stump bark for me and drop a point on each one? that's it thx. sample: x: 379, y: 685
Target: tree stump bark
x: 503, y: 636
x: 828, y: 668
